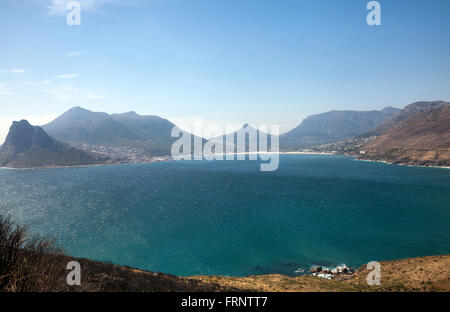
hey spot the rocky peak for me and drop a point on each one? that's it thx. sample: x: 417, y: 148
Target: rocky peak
x: 131, y: 114
x: 22, y: 136
x: 247, y: 127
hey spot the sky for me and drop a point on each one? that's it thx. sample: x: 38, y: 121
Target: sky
x: 225, y: 61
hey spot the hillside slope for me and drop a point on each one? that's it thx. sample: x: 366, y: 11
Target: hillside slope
x: 408, y: 111
x: 421, y: 274
x: 421, y: 139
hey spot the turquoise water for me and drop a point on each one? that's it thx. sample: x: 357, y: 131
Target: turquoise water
x: 227, y: 217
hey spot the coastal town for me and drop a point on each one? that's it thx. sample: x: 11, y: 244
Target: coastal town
x: 352, y: 146
x: 115, y: 154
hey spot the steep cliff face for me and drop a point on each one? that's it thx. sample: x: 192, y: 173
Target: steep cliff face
x: 421, y: 139
x: 27, y: 146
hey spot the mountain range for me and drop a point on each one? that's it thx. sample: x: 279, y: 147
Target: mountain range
x: 152, y: 134
x: 149, y: 134
x: 28, y: 146
x: 334, y: 126
x: 80, y: 136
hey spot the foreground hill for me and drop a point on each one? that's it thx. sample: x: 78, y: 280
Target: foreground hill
x: 27, y: 146
x: 415, y: 274
x: 421, y: 139
x: 147, y: 134
x: 334, y: 126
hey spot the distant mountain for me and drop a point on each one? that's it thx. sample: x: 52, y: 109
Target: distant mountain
x: 31, y: 147
x: 230, y: 140
x: 75, y: 114
x: 151, y: 134
x: 420, y: 139
x: 408, y: 111
x: 334, y: 126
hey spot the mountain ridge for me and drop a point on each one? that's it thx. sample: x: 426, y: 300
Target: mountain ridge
x: 150, y: 134
x: 333, y: 126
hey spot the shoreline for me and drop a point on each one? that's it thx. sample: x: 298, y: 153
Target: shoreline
x: 401, y: 164
x: 160, y: 159
x: 89, y: 165
x: 169, y: 159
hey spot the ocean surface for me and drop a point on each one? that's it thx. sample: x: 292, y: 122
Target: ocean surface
x: 228, y: 218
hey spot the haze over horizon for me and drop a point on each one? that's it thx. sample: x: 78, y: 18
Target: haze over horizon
x: 228, y: 62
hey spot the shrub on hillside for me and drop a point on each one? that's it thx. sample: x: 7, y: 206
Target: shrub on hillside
x: 24, y: 261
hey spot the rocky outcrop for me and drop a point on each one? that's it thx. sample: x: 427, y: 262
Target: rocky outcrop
x: 27, y: 146
x: 341, y: 272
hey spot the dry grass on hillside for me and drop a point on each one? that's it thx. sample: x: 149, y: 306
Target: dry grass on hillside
x: 414, y: 274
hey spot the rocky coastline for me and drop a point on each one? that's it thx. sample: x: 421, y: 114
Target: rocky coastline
x: 341, y: 272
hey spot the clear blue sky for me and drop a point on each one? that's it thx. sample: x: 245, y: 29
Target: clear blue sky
x: 230, y: 61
